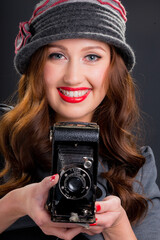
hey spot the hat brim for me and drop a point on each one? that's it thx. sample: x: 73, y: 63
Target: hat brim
x: 22, y: 59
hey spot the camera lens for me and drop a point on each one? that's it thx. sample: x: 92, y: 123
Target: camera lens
x: 74, y: 184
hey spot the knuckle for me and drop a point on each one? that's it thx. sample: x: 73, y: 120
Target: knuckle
x: 108, y: 225
x: 63, y: 236
x: 43, y: 182
x: 45, y: 231
x: 116, y: 200
x: 67, y: 238
x: 95, y: 232
x: 40, y: 222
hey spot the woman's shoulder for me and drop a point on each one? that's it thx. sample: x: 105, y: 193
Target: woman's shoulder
x: 150, y: 163
x: 147, y: 175
x: 147, y: 152
x: 146, y: 185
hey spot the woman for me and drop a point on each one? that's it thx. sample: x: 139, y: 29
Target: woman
x: 75, y: 66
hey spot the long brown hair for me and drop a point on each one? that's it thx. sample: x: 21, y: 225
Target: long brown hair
x: 24, y: 140
x: 118, y: 117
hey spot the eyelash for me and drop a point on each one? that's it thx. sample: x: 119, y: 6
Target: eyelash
x: 93, y: 55
x: 54, y: 55
x: 58, y: 56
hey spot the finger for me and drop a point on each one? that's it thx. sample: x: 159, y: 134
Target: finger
x: 106, y: 220
x: 72, y: 232
x: 64, y: 225
x: 111, y: 203
x: 43, y: 220
x: 93, y: 230
x: 63, y: 233
x: 47, y: 183
x: 42, y: 190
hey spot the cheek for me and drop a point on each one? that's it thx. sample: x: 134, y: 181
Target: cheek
x: 50, y: 78
x: 47, y: 76
x: 48, y: 83
x: 100, y: 78
x: 51, y: 75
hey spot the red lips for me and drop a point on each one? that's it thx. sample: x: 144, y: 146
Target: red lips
x: 73, y: 99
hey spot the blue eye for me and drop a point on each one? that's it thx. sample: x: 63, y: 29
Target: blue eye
x: 56, y: 56
x: 92, y: 57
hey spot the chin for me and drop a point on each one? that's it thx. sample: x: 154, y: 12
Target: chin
x: 75, y: 118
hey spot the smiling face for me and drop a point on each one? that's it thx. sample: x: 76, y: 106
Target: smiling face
x: 75, y: 77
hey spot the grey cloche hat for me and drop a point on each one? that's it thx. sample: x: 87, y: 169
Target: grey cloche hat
x: 53, y: 20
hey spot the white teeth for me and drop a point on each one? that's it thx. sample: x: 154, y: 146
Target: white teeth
x: 67, y: 93
x: 74, y: 93
x: 71, y: 94
x: 83, y: 92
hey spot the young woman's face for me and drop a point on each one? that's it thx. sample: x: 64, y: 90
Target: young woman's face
x: 75, y: 76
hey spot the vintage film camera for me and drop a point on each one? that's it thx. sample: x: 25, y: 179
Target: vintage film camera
x: 75, y: 159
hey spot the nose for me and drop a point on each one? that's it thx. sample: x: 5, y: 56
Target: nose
x: 73, y: 73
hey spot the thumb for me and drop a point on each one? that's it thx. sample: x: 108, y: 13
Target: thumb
x: 48, y: 183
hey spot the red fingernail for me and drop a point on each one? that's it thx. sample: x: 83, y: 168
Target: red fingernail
x: 93, y: 224
x: 53, y: 178
x: 98, y: 208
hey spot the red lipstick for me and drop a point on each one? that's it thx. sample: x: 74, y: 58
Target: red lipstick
x: 74, y: 89
x: 73, y: 99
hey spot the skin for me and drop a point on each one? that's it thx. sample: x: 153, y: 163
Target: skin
x: 76, y: 63
x: 30, y: 200
x: 73, y: 63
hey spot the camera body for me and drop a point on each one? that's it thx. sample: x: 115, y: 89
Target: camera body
x: 75, y: 159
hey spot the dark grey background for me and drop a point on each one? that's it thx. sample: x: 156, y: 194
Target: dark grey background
x: 143, y: 34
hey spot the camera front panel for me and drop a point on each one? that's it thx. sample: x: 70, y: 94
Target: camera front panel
x: 73, y: 198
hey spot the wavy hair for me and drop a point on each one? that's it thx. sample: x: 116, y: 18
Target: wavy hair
x: 24, y: 138
x: 118, y: 117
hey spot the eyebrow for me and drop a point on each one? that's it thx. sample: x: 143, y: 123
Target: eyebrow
x: 57, y: 46
x: 94, y: 47
x: 84, y: 49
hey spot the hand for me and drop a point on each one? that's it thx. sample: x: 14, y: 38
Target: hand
x: 33, y: 198
x: 111, y: 220
x: 108, y: 213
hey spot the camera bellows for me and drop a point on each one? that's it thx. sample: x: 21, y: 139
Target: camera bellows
x: 75, y: 159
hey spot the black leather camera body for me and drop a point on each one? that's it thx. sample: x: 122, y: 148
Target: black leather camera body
x: 75, y: 159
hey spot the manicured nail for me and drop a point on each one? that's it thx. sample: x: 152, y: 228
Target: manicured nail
x: 53, y: 178
x: 98, y: 208
x: 93, y: 224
